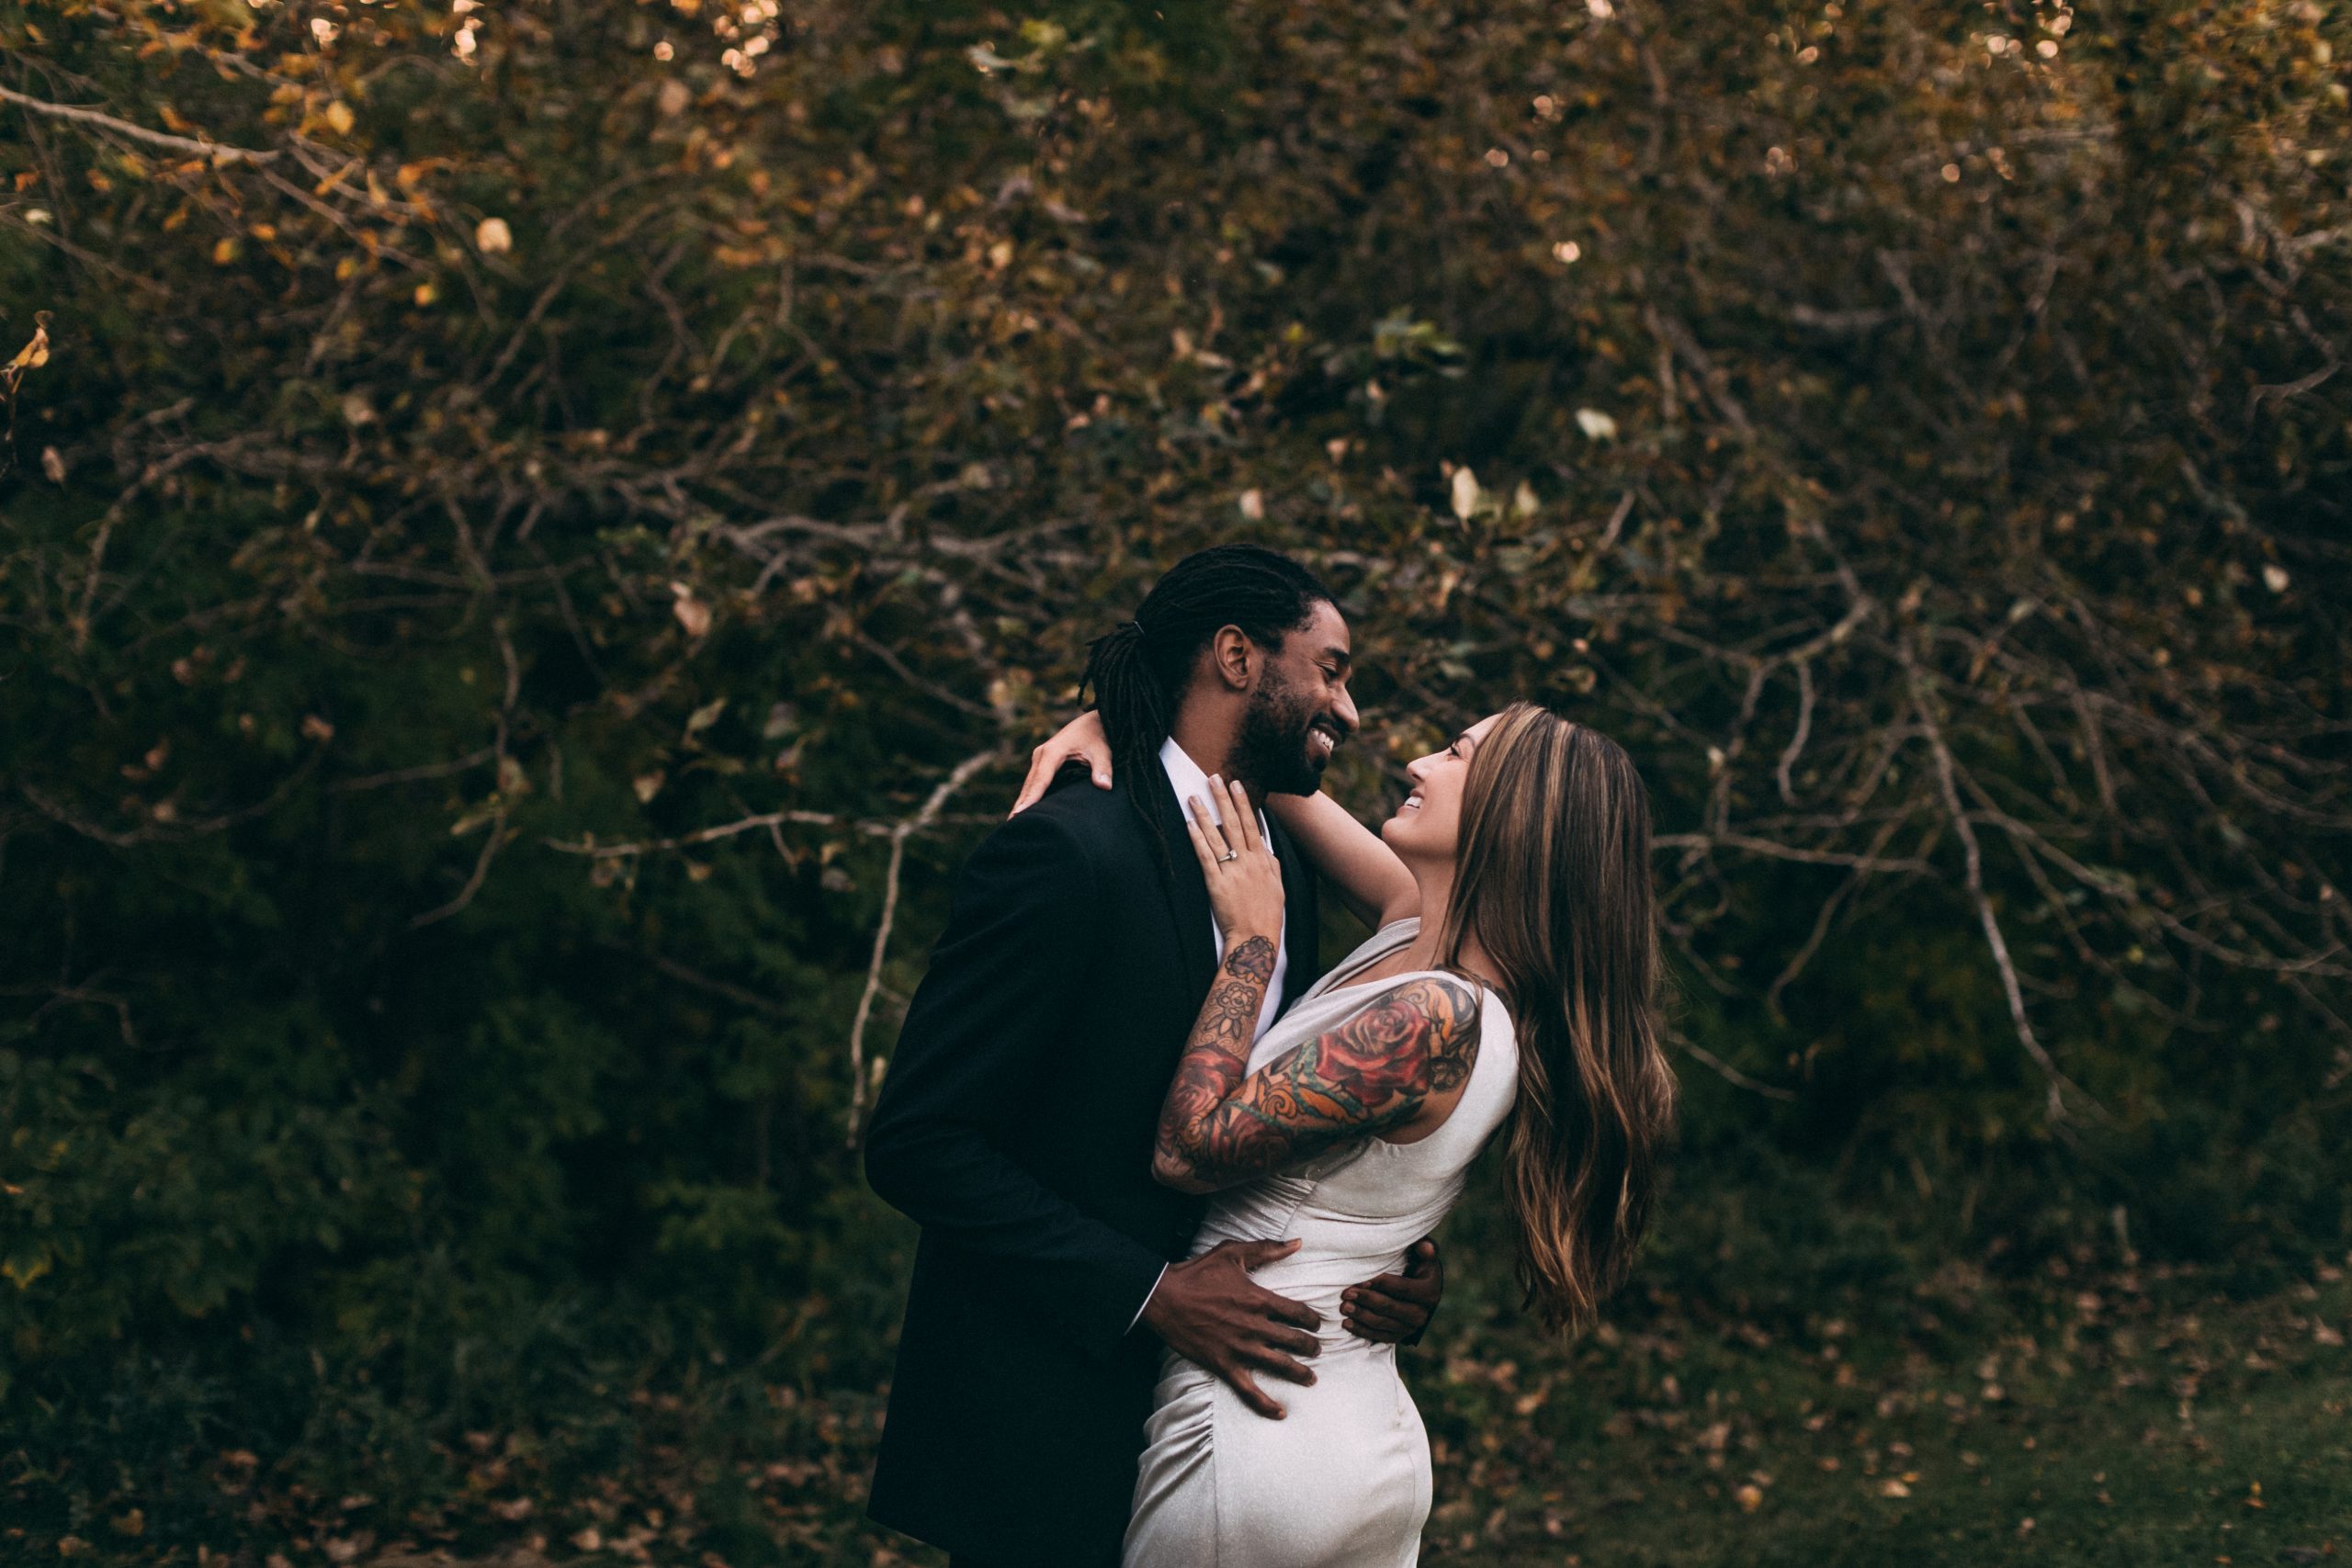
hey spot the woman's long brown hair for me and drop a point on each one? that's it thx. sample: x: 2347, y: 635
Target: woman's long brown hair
x: 1552, y: 881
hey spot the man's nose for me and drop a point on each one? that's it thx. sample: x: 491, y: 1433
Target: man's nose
x: 1345, y: 712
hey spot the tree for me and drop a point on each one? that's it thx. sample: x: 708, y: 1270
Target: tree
x: 541, y: 531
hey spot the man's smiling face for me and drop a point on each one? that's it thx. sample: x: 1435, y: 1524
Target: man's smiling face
x: 1300, y: 711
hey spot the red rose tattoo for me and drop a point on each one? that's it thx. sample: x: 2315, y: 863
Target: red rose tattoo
x: 1371, y: 1071
x: 1369, y: 1055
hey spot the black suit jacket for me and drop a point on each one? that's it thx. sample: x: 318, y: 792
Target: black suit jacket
x: 1016, y: 1125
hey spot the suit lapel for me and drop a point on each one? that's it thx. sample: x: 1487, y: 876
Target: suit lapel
x: 1188, y: 899
x: 1188, y: 893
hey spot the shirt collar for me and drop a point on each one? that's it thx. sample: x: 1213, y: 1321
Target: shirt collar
x: 1188, y: 779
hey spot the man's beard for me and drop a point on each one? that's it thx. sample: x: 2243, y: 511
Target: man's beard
x: 1272, y: 752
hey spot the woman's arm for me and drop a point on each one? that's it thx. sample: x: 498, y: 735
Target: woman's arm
x: 1351, y: 856
x: 1367, y: 873
x: 1371, y: 1071
x: 1374, y: 1070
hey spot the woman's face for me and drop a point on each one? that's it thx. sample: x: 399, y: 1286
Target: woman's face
x: 1429, y: 825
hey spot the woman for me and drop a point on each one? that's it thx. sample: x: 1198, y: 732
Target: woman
x: 1511, y: 981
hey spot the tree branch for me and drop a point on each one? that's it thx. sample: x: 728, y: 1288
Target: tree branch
x: 898, y: 836
x: 217, y: 152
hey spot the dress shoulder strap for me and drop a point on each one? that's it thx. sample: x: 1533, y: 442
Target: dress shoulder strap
x: 1396, y: 933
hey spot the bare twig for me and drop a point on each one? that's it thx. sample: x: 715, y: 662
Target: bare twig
x: 701, y: 982
x: 497, y: 840
x: 1725, y: 1070
x: 421, y: 770
x: 217, y: 152
x: 765, y: 822
x: 171, y: 829
x: 1923, y: 703
x: 1795, y: 748
x: 898, y: 836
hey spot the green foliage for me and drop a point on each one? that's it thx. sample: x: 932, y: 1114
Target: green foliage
x: 508, y: 583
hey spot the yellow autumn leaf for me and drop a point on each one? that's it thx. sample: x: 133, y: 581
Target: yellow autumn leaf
x: 339, y: 117
x: 34, y: 355
x: 23, y: 1269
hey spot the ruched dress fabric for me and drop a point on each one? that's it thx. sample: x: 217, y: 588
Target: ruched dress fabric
x: 1343, y: 1479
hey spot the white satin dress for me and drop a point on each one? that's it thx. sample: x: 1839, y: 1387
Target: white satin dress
x: 1343, y: 1480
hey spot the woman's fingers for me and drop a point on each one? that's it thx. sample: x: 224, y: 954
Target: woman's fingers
x: 1206, y: 834
x: 1240, y: 817
x: 1033, y: 788
x: 1045, y: 764
x: 1237, y: 835
x: 1239, y: 811
x: 1200, y: 849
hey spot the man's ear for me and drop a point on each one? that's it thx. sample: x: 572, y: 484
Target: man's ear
x: 1235, y: 659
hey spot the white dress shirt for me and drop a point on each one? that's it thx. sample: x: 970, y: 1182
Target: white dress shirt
x: 1186, y: 777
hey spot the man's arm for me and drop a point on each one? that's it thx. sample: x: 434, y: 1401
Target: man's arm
x: 1000, y: 990
x: 1396, y: 1308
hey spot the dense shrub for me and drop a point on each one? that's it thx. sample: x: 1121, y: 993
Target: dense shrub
x: 522, y: 565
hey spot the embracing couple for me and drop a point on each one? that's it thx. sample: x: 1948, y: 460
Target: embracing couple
x: 1157, y: 1159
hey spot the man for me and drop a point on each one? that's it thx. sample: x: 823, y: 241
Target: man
x: 1016, y: 1122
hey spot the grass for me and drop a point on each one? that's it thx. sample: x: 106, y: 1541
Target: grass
x: 1755, y: 1399
x: 2121, y: 1418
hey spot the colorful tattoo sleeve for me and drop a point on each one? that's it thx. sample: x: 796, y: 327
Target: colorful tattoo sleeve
x: 1371, y: 1071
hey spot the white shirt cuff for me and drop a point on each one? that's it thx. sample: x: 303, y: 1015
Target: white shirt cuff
x: 1146, y: 1297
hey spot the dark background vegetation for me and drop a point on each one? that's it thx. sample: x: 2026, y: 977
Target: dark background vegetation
x: 538, y: 533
